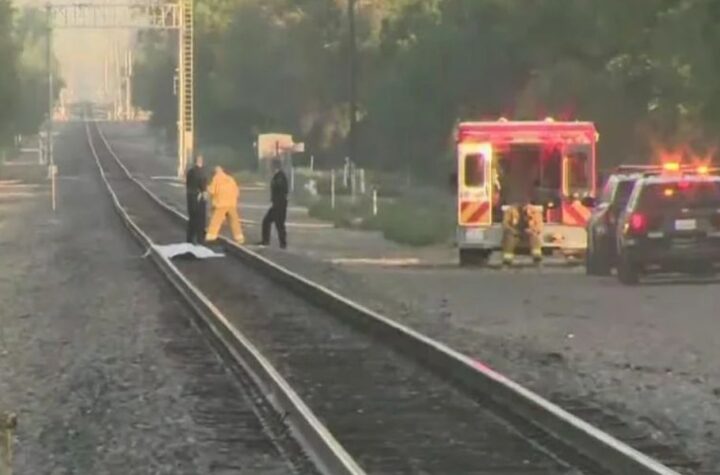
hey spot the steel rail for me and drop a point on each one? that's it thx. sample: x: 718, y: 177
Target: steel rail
x: 588, y: 440
x: 326, y: 452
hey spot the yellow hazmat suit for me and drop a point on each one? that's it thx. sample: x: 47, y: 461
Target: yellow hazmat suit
x: 534, y: 220
x: 224, y: 192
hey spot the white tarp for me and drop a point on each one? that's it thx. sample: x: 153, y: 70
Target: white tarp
x: 187, y: 249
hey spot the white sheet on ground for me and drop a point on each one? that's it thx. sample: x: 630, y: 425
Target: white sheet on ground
x: 200, y: 252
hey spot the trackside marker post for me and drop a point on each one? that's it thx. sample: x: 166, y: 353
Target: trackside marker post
x: 8, y: 423
x: 332, y: 189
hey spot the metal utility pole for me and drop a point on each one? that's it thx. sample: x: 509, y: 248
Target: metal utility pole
x: 177, y: 15
x: 117, y: 86
x: 106, y: 65
x: 128, y: 85
x: 51, y: 99
x: 352, y: 82
x: 186, y: 101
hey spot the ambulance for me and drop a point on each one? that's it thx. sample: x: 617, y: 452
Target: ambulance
x: 547, y: 163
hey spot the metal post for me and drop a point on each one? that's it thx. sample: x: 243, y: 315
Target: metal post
x: 128, y: 86
x: 292, y: 177
x: 51, y: 99
x: 105, y: 77
x: 187, y: 111
x: 117, y: 86
x: 181, y: 106
x: 332, y: 189
x: 8, y: 422
x: 375, y: 202
x: 362, y: 181
x: 312, y: 162
x: 53, y: 173
x: 352, y: 80
x: 353, y: 182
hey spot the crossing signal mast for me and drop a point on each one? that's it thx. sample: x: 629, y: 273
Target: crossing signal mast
x: 176, y: 16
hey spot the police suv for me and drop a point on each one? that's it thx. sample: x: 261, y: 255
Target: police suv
x: 602, y: 240
x: 670, y: 224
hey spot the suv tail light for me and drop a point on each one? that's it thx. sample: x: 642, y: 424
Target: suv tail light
x: 637, y: 223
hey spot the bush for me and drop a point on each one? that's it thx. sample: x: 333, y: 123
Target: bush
x: 406, y: 221
x: 324, y: 185
x: 417, y: 224
x: 347, y: 214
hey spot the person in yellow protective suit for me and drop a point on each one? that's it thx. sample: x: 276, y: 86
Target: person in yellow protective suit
x: 522, y: 223
x: 224, y: 191
x: 511, y: 233
x: 533, y: 230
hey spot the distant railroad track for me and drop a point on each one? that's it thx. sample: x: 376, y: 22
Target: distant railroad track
x: 390, y: 400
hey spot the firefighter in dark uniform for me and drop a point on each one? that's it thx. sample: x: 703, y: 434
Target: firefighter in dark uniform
x: 196, y: 188
x: 278, y: 210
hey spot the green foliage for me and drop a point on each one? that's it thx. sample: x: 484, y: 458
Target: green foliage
x: 31, y: 36
x: 411, y: 220
x: 644, y: 71
x: 153, y: 81
x: 23, y: 75
x: 9, y: 84
x: 228, y: 158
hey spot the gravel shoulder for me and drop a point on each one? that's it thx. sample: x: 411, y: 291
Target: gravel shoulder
x: 649, y: 353
x: 97, y: 356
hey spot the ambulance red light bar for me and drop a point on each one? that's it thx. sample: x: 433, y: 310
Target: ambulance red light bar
x: 527, y: 132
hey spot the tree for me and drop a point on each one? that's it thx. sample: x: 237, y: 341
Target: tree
x: 9, y: 84
x: 645, y: 72
x: 30, y: 32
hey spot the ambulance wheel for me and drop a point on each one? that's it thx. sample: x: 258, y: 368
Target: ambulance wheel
x: 474, y: 257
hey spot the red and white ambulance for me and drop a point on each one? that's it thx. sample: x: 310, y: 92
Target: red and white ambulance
x: 549, y: 163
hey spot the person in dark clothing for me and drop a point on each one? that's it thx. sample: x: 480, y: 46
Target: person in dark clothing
x: 196, y: 187
x: 278, y: 210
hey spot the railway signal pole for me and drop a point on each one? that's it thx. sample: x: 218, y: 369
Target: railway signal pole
x: 176, y: 15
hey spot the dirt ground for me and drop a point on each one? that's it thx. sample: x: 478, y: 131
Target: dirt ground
x: 97, y: 355
x: 648, y: 353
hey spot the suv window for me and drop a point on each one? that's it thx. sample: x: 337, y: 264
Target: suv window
x: 608, y: 190
x: 690, y: 194
x: 617, y: 191
x: 622, y: 192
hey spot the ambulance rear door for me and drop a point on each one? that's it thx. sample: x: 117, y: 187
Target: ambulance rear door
x: 475, y: 184
x: 578, y: 177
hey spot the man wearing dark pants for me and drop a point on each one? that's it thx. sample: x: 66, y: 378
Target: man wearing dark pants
x: 278, y: 210
x: 196, y: 185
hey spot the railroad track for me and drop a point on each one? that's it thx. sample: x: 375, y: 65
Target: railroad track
x: 394, y: 401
